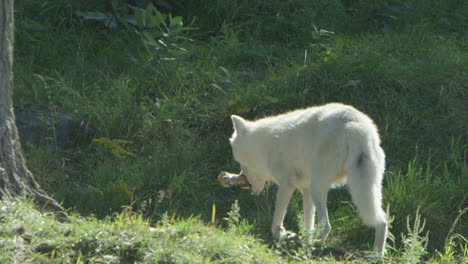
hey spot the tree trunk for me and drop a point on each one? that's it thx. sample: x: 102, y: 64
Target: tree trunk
x: 15, y: 179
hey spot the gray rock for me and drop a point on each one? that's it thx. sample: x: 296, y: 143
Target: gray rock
x: 41, y: 124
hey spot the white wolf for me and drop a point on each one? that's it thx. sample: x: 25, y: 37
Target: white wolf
x: 312, y: 150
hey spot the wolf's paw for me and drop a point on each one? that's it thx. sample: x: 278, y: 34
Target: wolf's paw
x: 288, y: 235
x: 283, y: 234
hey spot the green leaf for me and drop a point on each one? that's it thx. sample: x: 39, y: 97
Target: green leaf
x: 149, y: 37
x: 114, y: 145
x: 96, y: 190
x: 98, y: 16
x: 139, y: 18
x: 175, y: 21
x: 274, y: 100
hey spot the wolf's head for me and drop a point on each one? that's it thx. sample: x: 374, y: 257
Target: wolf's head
x: 245, y: 152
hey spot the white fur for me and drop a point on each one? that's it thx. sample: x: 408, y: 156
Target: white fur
x: 312, y: 150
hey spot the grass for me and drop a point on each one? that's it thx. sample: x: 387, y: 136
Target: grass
x: 28, y: 236
x: 154, y: 122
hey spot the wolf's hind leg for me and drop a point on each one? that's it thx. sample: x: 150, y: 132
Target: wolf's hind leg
x: 320, y: 200
x: 380, y: 237
x: 309, y: 210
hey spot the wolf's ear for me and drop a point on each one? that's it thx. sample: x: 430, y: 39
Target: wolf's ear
x: 240, y: 125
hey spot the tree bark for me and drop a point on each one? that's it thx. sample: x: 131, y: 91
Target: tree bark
x: 15, y: 179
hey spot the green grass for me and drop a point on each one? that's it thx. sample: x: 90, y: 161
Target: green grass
x: 161, y: 116
x: 28, y: 236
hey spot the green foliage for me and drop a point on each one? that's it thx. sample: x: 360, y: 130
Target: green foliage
x: 428, y: 189
x: 294, y: 20
x: 156, y: 30
x: 233, y: 219
x: 414, y: 242
x: 455, y: 250
x: 456, y: 245
x: 114, y: 145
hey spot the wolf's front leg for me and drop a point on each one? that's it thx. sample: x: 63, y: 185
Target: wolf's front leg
x: 282, y: 200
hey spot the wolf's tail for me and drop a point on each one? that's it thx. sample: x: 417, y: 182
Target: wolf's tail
x: 365, y: 166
